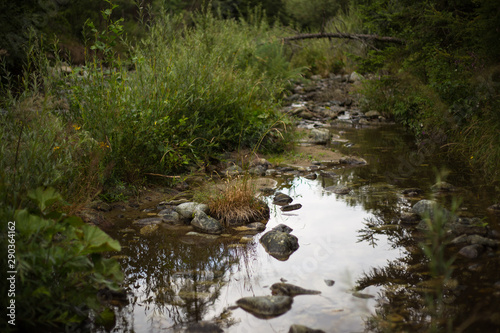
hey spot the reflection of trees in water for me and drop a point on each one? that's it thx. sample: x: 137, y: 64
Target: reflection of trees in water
x: 178, y: 280
x: 413, y: 300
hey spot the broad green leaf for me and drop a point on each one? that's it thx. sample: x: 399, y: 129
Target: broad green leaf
x: 98, y: 241
x: 44, y: 197
x: 74, y: 221
x: 28, y: 224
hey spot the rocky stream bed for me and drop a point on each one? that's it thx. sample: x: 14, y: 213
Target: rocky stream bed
x: 343, y: 237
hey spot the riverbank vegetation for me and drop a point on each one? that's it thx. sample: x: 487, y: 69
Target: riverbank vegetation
x: 117, y: 91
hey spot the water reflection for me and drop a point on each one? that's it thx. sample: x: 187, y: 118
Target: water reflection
x: 354, y: 239
x: 175, y: 279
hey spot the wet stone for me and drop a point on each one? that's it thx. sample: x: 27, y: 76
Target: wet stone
x: 282, y: 199
x: 148, y: 221
x: 409, y: 218
x: 197, y: 234
x: 206, y: 224
x: 287, y: 289
x: 443, y: 187
x: 328, y: 174
x: 266, y: 307
x: 203, y: 327
x: 303, y: 329
x: 186, y: 210
x: 149, y: 230
x: 311, y: 176
x: 170, y: 216
x: 471, y: 251
x: 329, y: 283
x: 278, y: 243
x: 412, y: 192
x: 289, y: 208
x: 338, y: 189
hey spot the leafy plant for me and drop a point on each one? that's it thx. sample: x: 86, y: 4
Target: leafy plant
x: 60, y: 265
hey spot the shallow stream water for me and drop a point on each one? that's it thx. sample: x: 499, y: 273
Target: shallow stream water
x: 176, y: 280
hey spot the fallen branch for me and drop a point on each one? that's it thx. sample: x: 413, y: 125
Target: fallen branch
x: 348, y: 36
x: 157, y: 174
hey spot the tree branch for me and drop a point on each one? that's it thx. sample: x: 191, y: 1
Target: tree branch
x: 343, y: 35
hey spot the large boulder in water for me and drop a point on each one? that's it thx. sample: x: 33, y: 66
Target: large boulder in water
x: 206, y: 224
x: 186, y: 210
x: 266, y: 307
x: 279, y: 243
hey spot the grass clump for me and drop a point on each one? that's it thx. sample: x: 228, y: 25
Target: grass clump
x: 234, y: 203
x: 194, y: 92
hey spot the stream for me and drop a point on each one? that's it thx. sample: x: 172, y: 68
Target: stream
x: 346, y: 241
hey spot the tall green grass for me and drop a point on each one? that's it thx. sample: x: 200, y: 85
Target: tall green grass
x: 192, y: 92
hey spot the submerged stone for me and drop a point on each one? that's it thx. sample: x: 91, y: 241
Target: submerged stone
x: 266, y: 307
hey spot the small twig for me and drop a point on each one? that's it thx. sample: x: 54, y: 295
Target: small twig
x: 157, y: 174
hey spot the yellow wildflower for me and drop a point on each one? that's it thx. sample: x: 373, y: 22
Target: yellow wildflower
x: 76, y: 127
x: 56, y: 148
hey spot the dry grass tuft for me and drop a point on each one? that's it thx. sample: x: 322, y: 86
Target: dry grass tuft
x: 234, y: 203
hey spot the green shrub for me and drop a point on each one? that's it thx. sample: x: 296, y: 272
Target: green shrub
x: 194, y: 92
x: 59, y: 264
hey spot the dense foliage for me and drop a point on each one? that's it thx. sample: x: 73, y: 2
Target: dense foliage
x: 445, y: 81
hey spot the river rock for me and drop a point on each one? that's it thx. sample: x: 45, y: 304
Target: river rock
x: 352, y: 160
x: 443, y: 187
x: 170, y: 216
x: 409, y: 218
x: 202, y: 235
x: 311, y: 176
x: 186, y: 210
x: 319, y: 135
x: 303, y: 329
x: 282, y: 199
x: 355, y: 77
x: 203, y: 327
x: 258, y: 170
x: 289, y: 208
x: 480, y: 240
x: 256, y: 226
x: 338, y: 189
x: 206, y: 224
x: 149, y: 229
x: 425, y: 208
x: 329, y: 283
x: 494, y: 208
x: 471, y: 251
x: 372, y: 114
x: 148, y: 221
x: 287, y: 289
x: 233, y: 170
x: 328, y: 174
x: 412, y: 192
x: 279, y: 243
x: 266, y: 307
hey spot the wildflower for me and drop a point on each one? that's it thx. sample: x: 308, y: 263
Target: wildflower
x: 56, y: 148
x: 103, y: 145
x: 76, y: 127
x: 471, y: 157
